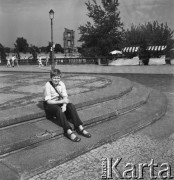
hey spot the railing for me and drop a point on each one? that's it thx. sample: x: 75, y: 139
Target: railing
x: 87, y: 60
x: 27, y: 61
x: 76, y: 60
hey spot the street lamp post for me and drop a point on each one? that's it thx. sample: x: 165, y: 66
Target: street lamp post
x: 51, y: 14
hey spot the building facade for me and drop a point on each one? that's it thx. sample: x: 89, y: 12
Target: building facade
x: 68, y: 39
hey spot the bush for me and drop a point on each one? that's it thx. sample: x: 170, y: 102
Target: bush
x: 145, y: 61
x: 168, y: 60
x: 143, y: 54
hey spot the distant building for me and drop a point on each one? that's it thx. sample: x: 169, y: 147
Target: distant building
x: 68, y: 38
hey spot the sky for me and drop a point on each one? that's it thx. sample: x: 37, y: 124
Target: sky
x: 30, y: 18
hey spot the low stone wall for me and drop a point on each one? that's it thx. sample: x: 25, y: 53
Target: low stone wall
x: 76, y: 60
x: 88, y: 60
x: 27, y: 61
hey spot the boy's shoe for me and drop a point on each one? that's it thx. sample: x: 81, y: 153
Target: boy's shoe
x: 76, y: 139
x: 81, y: 132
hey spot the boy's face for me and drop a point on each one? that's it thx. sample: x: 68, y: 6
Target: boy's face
x: 56, y: 79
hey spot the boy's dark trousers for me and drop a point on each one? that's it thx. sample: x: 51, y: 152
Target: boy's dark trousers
x: 70, y: 115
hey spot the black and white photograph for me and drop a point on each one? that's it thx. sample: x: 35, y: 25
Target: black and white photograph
x: 86, y: 89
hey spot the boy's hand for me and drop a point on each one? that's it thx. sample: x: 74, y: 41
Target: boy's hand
x: 63, y: 108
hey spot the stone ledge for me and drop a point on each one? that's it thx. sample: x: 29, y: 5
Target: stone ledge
x: 36, y: 132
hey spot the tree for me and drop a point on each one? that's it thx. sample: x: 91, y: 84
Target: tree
x: 2, y: 54
x: 16, y: 50
x: 58, y: 48
x: 21, y: 44
x: 48, y: 48
x: 151, y: 33
x: 7, y: 49
x: 34, y: 50
x: 105, y: 33
x: 43, y: 49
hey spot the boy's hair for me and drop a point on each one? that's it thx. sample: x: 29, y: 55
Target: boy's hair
x: 55, y: 72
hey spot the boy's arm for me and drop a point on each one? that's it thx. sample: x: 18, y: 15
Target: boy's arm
x: 65, y: 96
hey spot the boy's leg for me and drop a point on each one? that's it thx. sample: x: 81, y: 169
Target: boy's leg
x: 72, y: 115
x: 74, y: 118
x: 56, y: 110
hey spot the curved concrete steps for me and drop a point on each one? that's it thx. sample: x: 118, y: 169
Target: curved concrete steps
x: 22, y: 135
x: 36, y: 159
x: 31, y: 144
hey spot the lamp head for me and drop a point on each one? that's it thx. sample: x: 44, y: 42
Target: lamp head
x: 51, y: 13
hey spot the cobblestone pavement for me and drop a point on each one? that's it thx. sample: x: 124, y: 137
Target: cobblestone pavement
x: 155, y: 142
x: 136, y: 148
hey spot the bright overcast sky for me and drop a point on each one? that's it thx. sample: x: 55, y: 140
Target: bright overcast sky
x: 30, y: 18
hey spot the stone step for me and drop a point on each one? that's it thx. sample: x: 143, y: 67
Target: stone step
x: 19, y: 136
x: 37, y: 159
x: 17, y: 115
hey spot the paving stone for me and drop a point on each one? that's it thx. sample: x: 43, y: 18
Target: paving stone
x: 2, y: 85
x: 96, y: 84
x: 2, y: 75
x: 16, y: 137
x: 70, y: 83
x: 77, y: 90
x: 8, y: 173
x: 4, y: 97
x: 83, y: 78
x: 20, y: 114
x: 30, y: 89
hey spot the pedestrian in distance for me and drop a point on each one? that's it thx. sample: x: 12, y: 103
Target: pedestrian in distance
x: 13, y: 60
x: 16, y: 60
x: 8, y: 61
x: 40, y: 61
x: 57, y: 104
